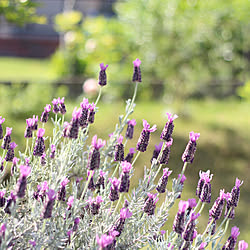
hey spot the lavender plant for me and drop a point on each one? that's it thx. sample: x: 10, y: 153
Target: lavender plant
x: 65, y: 194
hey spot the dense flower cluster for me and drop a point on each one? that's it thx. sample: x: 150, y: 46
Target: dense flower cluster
x: 66, y: 191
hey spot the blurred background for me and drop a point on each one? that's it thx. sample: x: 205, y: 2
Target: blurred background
x: 195, y: 63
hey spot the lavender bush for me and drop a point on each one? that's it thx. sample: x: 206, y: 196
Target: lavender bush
x: 64, y: 194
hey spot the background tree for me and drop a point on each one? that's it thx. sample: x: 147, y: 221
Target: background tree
x: 188, y: 48
x: 20, y: 12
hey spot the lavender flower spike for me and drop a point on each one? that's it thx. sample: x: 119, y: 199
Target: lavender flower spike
x: 35, y: 124
x: 2, y: 198
x: 43, y: 159
x: 145, y: 136
x: 22, y: 182
x: 55, y: 106
x: 203, y: 190
x: 91, y: 184
x: 150, y: 204
x: 157, y: 151
x: 10, y: 153
x: 2, y: 232
x: 73, y: 127
x: 130, y: 129
x: 62, y: 106
x: 45, y: 115
x: 192, y: 203
x: 231, y: 241
x: 124, y: 214
x: 62, y: 191
x: 189, y: 230
x: 119, y: 149
x: 53, y: 150
x: 178, y: 225
x: 188, y: 155
x: 100, y: 181
x: 94, y: 155
x: 104, y: 241
x: 164, y: 157
x: 83, y: 120
x: 137, y: 70
x: 48, y: 207
x: 242, y: 245
x: 102, y: 75
x: 11, y: 199
x: 203, y: 245
x: 114, y: 194
x: 161, y: 187
x: 39, y: 148
x: 15, y: 161
x: 95, y: 204
x: 28, y: 130
x: 91, y: 113
x: 8, y: 131
x: 7, y: 138
x: 124, y: 178
x: 70, y: 202
x: 1, y: 129
x: 235, y: 194
x: 216, y: 210
x: 130, y: 155
x: 169, y: 127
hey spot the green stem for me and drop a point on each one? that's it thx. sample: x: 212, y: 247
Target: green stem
x: 211, y: 222
x: 225, y: 230
x: 116, y: 168
x: 198, y: 204
x: 135, y: 92
x: 62, y: 121
x: 32, y: 147
x: 222, y: 223
x: 27, y: 145
x: 159, y: 155
x: 124, y: 121
x: 137, y: 155
x: 99, y: 95
x: 44, y: 226
x: 118, y: 203
x: 110, y: 209
x: 157, y: 160
x: 125, y: 143
x: 86, y: 185
x: 202, y: 206
x: 129, y: 109
x: 86, y: 130
x: 157, y: 172
x: 183, y: 171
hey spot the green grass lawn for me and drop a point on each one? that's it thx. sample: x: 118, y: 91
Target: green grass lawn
x: 16, y: 69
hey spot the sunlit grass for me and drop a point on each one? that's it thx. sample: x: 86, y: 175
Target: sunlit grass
x: 16, y: 69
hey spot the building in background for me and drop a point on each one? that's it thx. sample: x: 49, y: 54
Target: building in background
x: 35, y: 40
